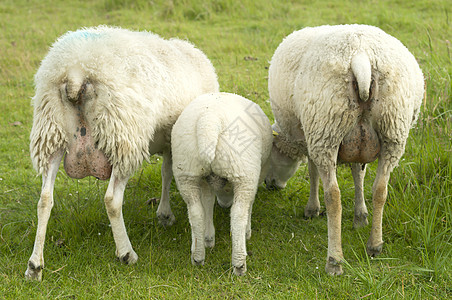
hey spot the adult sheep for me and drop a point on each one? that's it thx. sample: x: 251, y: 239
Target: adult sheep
x: 347, y: 93
x: 221, y: 146
x: 108, y: 97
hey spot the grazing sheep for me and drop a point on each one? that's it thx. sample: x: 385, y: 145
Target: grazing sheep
x: 347, y: 93
x: 108, y: 97
x: 221, y: 145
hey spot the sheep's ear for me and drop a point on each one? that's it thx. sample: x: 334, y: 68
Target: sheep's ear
x: 275, y: 133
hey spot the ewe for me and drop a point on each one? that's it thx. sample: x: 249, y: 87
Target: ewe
x: 108, y: 98
x: 347, y: 93
x: 221, y: 145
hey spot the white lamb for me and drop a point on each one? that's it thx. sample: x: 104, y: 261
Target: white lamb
x: 221, y: 145
x: 347, y: 93
x: 108, y: 97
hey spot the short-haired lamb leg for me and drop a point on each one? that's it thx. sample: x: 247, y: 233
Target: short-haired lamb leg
x: 164, y: 213
x: 113, y: 203
x: 358, y: 172
x: 208, y: 203
x: 45, y: 204
x: 189, y: 188
x: 312, y: 208
x: 334, y: 215
x: 244, y: 193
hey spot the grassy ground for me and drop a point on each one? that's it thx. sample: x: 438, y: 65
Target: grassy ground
x: 286, y: 252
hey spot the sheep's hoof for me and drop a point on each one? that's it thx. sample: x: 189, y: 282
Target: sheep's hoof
x: 333, y: 267
x: 240, y: 271
x: 33, y: 272
x: 166, y: 219
x: 129, y: 258
x: 373, y: 251
x: 360, y: 220
x: 311, y: 212
x: 209, y: 241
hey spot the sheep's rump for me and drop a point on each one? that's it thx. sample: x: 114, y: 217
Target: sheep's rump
x: 314, y: 79
x: 127, y: 85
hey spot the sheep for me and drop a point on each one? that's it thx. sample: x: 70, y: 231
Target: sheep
x: 347, y: 94
x: 107, y: 97
x: 221, y: 146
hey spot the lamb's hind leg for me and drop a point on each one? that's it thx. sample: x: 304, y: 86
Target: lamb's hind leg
x: 45, y: 204
x: 164, y: 213
x: 244, y: 193
x: 358, y: 172
x: 113, y: 203
x: 313, y: 206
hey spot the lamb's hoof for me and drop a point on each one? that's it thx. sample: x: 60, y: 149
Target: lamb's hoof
x: 209, y: 241
x: 33, y: 272
x: 311, y: 212
x: 333, y: 267
x: 129, y: 258
x: 374, y: 251
x: 197, y: 262
x: 360, y: 220
x: 241, y: 270
x: 166, y: 219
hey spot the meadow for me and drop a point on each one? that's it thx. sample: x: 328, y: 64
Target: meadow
x: 286, y: 252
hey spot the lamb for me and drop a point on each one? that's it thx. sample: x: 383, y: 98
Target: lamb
x: 347, y: 94
x: 221, y: 146
x: 107, y: 98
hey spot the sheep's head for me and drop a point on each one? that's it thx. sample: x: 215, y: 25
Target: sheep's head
x: 283, y: 165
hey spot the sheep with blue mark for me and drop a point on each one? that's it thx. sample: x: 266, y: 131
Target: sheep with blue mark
x: 107, y: 98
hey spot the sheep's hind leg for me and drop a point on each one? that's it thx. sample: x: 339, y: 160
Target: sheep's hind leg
x: 358, y: 172
x: 208, y: 202
x: 334, y: 214
x: 389, y: 157
x: 45, y: 204
x: 164, y: 213
x: 240, y: 214
x: 312, y: 208
x: 113, y: 203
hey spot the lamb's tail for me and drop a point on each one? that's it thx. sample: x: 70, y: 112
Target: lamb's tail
x: 75, y: 83
x: 208, y: 132
x: 362, y: 70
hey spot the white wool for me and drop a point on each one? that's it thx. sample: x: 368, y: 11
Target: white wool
x: 142, y: 83
x: 309, y: 75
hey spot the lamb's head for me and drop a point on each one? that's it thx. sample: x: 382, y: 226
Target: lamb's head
x: 283, y: 162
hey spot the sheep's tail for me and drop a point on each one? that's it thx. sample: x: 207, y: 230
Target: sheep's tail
x: 208, y: 132
x: 75, y: 83
x: 362, y: 70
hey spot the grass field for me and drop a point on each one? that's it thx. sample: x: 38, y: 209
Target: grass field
x: 286, y: 252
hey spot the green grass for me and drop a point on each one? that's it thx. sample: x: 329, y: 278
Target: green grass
x: 287, y: 252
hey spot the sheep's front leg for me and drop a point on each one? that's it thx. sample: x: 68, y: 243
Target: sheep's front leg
x: 113, y: 203
x: 45, y: 204
x: 240, y: 219
x: 313, y: 206
x: 358, y: 172
x: 164, y: 213
x: 334, y: 214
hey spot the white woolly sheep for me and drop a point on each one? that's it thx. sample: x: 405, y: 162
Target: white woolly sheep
x: 108, y: 97
x: 346, y: 93
x: 221, y: 146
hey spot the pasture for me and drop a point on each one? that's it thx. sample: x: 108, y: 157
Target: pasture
x: 286, y: 251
